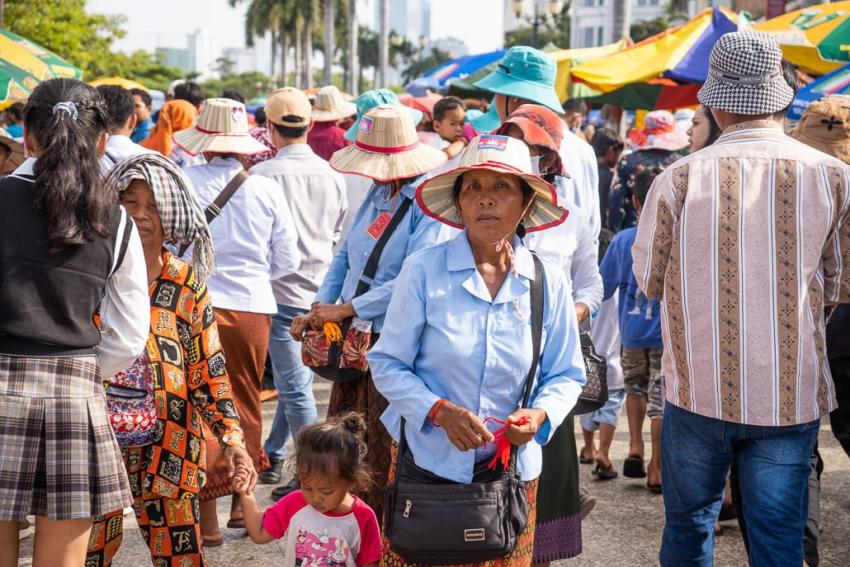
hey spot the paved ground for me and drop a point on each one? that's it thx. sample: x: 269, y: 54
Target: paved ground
x: 624, y: 529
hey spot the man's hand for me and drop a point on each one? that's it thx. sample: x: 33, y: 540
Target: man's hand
x: 519, y: 435
x: 463, y: 427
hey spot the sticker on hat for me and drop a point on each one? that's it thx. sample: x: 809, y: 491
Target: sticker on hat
x: 366, y: 124
x: 488, y: 142
x: 236, y: 113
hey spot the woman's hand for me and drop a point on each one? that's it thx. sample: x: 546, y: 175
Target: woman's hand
x: 462, y: 426
x: 241, y: 467
x: 299, y: 326
x: 582, y: 312
x: 324, y: 312
x: 519, y: 435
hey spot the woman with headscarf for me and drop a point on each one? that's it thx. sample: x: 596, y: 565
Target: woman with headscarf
x: 184, y: 356
x: 174, y: 116
x: 67, y: 250
x: 387, y: 151
x: 458, y: 347
x: 572, y: 246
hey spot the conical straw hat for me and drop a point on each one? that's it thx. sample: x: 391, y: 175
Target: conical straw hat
x: 221, y: 128
x: 387, y: 148
x: 330, y: 106
x: 501, y: 154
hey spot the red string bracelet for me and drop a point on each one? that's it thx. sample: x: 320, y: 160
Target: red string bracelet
x: 433, y: 413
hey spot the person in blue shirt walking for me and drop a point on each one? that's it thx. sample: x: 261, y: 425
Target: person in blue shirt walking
x: 142, y: 106
x: 457, y: 344
x: 640, y: 328
x: 388, y: 151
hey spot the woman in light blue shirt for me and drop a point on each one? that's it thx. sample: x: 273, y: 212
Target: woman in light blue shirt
x: 456, y: 347
x: 388, y: 151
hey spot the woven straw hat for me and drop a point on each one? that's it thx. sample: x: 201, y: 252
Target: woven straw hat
x: 501, y: 154
x: 826, y: 126
x: 745, y: 75
x: 387, y: 147
x: 222, y: 128
x: 330, y: 106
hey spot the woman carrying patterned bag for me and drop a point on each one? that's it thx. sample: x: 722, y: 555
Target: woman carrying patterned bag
x: 184, y: 353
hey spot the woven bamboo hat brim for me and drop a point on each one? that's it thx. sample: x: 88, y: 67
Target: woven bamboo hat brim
x: 330, y: 106
x: 501, y: 154
x: 222, y: 128
x: 387, y: 148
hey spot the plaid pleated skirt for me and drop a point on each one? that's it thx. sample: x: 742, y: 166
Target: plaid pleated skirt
x: 58, y: 454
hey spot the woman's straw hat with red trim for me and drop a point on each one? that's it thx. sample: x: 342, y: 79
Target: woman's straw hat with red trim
x: 387, y: 148
x: 501, y: 154
x: 221, y: 128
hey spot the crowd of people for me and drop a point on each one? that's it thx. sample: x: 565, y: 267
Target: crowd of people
x: 470, y: 278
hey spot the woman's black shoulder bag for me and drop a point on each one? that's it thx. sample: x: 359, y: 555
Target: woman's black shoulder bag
x: 432, y: 520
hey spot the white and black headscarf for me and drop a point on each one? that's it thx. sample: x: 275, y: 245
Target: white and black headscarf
x: 182, y: 217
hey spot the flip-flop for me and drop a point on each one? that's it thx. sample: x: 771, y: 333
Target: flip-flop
x: 585, y: 460
x: 633, y: 467
x: 213, y: 541
x: 605, y: 474
x: 654, y: 488
x: 236, y: 523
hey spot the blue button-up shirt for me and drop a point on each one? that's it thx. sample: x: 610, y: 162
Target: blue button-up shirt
x: 414, y: 232
x: 446, y: 337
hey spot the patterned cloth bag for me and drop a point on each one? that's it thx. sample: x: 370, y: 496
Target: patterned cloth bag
x: 131, y: 405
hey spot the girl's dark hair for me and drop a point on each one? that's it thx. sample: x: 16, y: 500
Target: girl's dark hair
x: 714, y: 130
x: 446, y: 104
x: 334, y: 448
x: 643, y: 182
x: 65, y: 118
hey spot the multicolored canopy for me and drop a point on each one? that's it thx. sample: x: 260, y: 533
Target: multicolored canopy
x: 24, y: 64
x: 462, y: 67
x: 816, y: 38
x: 835, y: 83
x: 680, y: 53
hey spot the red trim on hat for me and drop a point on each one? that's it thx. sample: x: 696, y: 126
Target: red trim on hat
x: 217, y: 133
x: 382, y: 150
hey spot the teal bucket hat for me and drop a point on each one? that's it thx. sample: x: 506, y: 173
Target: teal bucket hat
x: 527, y: 73
x: 369, y: 100
x: 487, y: 122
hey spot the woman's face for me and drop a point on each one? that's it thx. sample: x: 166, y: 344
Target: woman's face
x: 490, y: 204
x: 700, y: 130
x: 139, y: 201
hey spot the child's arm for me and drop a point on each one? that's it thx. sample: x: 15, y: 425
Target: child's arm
x: 253, y: 518
x: 454, y: 149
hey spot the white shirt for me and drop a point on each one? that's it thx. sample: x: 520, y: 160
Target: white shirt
x: 582, y: 188
x: 317, y: 200
x: 356, y: 189
x: 125, y: 310
x: 119, y: 148
x: 254, y: 237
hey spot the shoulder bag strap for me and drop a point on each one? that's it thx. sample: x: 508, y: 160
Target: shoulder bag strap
x: 214, y: 208
x: 368, y: 273
x: 124, y: 242
x: 537, y: 293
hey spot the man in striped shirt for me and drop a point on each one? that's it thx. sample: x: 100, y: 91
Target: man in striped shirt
x: 746, y: 242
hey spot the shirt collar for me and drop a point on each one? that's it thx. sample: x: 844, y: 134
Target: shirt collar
x: 221, y: 161
x: 459, y: 258
x: 295, y: 150
x: 383, y: 202
x: 26, y: 168
x: 767, y: 127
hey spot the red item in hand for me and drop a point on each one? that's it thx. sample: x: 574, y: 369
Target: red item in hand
x: 503, y: 446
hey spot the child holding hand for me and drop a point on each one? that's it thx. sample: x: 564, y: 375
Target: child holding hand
x: 323, y: 523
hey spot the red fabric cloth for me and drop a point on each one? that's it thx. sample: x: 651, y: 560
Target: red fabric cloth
x: 326, y: 138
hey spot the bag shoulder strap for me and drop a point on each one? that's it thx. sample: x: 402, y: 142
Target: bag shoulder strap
x: 125, y: 241
x: 371, y: 267
x: 214, y: 208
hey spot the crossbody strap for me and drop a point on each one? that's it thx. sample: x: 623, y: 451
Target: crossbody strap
x: 371, y: 267
x: 214, y: 208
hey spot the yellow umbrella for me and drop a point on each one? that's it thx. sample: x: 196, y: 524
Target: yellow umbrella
x: 816, y: 39
x: 119, y: 81
x: 34, y: 59
x: 569, y: 58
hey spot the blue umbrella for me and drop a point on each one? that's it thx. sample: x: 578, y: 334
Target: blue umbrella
x: 693, y: 67
x: 462, y: 67
x: 837, y: 82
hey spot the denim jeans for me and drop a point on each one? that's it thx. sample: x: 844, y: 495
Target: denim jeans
x: 296, y: 405
x: 773, y: 471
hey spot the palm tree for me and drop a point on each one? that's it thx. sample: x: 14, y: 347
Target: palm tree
x: 353, y: 33
x: 329, y: 40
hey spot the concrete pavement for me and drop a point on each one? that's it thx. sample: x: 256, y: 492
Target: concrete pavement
x: 623, y: 530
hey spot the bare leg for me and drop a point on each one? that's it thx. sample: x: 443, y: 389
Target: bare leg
x: 636, y: 412
x: 589, y: 449
x: 606, y: 436
x: 61, y: 543
x: 653, y: 472
x: 209, y: 521
x: 9, y: 544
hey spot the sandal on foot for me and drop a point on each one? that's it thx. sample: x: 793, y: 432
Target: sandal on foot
x: 213, y: 541
x: 633, y: 467
x: 585, y: 460
x: 236, y: 523
x: 654, y: 488
x: 604, y: 473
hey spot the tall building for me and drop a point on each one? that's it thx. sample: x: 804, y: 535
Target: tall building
x: 409, y: 18
x: 592, y: 21
x: 203, y: 52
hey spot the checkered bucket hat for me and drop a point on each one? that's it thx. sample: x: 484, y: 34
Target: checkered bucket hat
x: 745, y: 75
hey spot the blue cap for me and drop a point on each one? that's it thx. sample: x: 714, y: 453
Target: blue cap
x: 526, y: 73
x: 369, y: 100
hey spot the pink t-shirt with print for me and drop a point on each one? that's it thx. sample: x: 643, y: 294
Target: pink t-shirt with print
x: 315, y: 539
